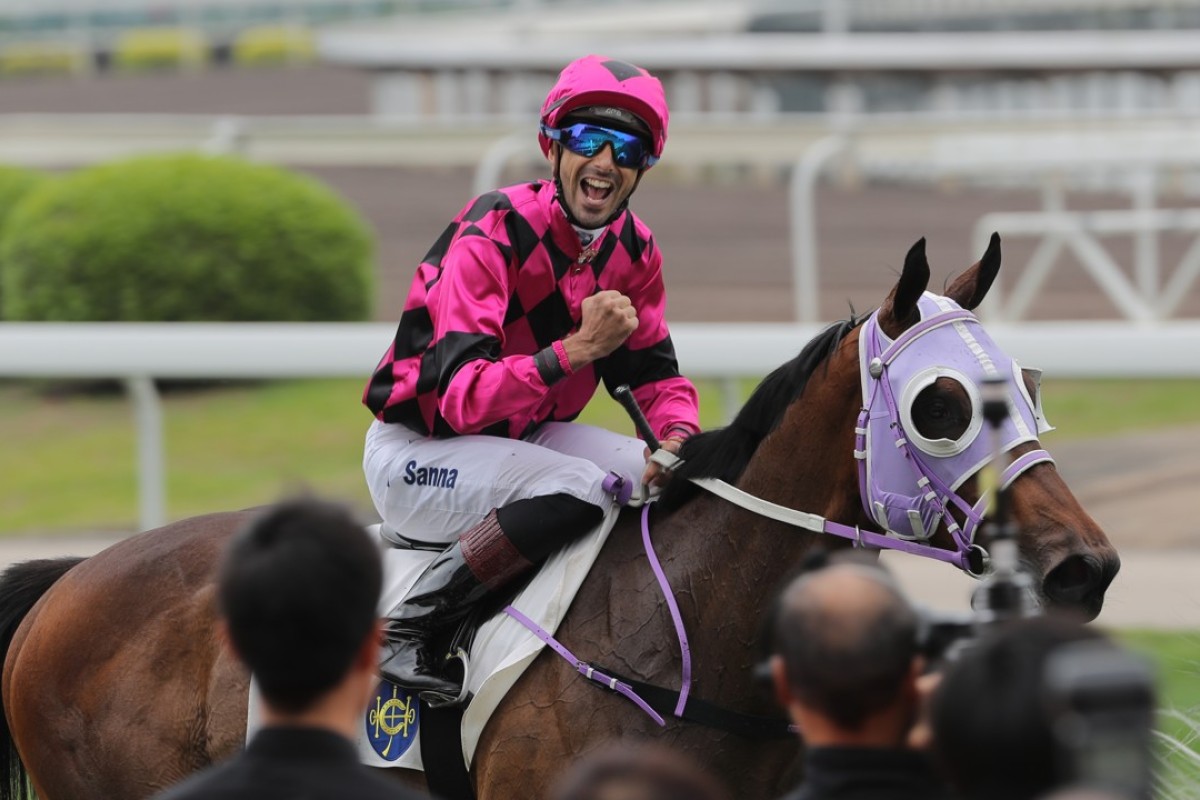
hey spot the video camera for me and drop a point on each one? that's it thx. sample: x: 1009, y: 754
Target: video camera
x: 1006, y: 590
x: 1101, y: 702
x: 1099, y: 698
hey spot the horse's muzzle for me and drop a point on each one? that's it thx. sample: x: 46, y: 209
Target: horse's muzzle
x: 1079, y: 582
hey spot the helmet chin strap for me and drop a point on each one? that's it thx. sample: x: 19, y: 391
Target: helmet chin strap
x: 561, y: 196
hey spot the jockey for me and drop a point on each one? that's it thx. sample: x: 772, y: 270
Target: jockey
x: 532, y: 296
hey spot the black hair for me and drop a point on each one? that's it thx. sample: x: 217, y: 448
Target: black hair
x: 847, y: 659
x: 298, y: 587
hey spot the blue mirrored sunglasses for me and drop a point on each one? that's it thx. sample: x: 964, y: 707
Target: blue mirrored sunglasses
x: 629, y: 150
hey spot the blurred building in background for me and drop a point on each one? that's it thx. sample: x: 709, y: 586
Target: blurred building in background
x: 802, y: 56
x: 1065, y: 104
x: 865, y: 16
x: 733, y: 56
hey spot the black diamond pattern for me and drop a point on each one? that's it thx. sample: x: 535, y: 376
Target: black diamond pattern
x: 455, y: 349
x: 407, y: 413
x: 630, y: 239
x: 521, y: 236
x: 473, y: 230
x: 427, y: 378
x: 638, y: 367
x: 550, y: 320
x: 560, y: 261
x: 601, y: 259
x: 515, y: 310
x: 438, y: 251
x: 414, y: 333
x: 487, y: 203
x: 622, y: 70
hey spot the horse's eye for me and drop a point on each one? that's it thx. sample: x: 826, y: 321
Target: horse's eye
x: 942, y: 410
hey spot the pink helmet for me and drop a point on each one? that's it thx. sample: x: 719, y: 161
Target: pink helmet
x: 600, y: 81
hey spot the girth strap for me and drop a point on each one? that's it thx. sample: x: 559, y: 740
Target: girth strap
x: 702, y: 712
x: 658, y: 702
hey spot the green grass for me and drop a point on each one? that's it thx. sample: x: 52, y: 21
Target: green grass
x: 69, y: 459
x: 68, y: 465
x: 1176, y: 657
x: 1084, y: 409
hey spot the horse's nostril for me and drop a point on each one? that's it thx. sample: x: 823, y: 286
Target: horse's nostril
x: 1079, y: 582
x: 1072, y: 574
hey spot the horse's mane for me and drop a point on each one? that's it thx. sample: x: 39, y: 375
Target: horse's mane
x: 724, y: 452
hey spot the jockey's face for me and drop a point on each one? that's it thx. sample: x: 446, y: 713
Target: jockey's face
x: 592, y: 187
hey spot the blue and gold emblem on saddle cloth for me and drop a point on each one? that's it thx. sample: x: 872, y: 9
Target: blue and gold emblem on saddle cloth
x: 393, y: 717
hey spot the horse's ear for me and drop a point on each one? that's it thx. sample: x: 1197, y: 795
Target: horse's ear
x: 969, y: 289
x: 899, y: 310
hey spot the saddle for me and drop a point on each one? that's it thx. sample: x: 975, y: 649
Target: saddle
x: 494, y: 648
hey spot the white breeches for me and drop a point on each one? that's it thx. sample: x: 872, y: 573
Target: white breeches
x: 431, y: 490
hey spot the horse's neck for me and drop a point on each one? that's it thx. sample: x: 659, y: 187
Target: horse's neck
x: 726, y: 564
x: 730, y: 562
x: 805, y: 465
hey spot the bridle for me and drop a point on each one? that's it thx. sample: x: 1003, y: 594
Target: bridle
x: 906, y: 482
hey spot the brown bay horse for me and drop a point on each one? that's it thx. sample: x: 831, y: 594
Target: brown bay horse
x: 115, y: 684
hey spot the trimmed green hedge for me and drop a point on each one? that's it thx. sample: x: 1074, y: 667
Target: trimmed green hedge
x: 269, y: 45
x: 159, y: 48
x: 185, y: 238
x: 15, y: 183
x: 44, y: 58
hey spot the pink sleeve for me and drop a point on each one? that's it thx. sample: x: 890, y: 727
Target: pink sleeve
x: 667, y: 398
x: 469, y: 304
x: 669, y: 404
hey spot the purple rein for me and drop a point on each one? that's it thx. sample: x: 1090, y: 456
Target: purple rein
x: 902, y: 487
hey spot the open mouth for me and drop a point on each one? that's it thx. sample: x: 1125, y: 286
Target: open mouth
x: 596, y: 190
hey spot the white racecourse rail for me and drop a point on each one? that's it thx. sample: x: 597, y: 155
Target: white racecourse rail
x: 139, y: 353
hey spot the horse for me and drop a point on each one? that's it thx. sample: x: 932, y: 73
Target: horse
x: 115, y: 684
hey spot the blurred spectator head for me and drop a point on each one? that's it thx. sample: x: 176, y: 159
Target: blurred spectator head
x: 846, y: 651
x: 638, y: 771
x: 303, y: 577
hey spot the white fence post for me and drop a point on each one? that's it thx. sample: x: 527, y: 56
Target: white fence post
x: 151, y: 459
x: 491, y: 167
x: 802, y: 191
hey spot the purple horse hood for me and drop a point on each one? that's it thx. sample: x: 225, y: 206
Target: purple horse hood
x: 905, y: 479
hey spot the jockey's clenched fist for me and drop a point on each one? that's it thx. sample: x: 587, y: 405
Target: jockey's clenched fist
x: 608, y: 320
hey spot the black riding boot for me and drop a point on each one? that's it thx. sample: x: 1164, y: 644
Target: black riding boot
x: 504, y: 545
x: 443, y: 594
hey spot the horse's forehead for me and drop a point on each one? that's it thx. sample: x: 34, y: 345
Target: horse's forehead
x: 960, y: 348
x: 948, y: 342
x: 932, y: 304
